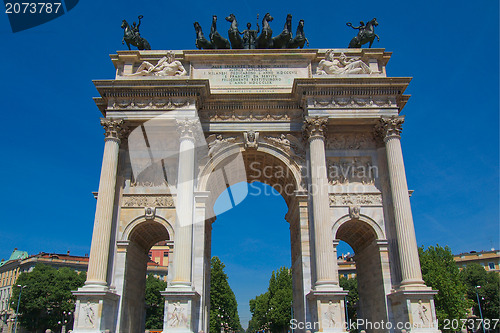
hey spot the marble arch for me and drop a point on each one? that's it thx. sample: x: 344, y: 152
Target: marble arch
x: 273, y: 108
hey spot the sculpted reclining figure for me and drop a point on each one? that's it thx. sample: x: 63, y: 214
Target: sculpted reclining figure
x: 341, y: 66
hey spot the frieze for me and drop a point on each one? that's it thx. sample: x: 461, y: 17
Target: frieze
x: 353, y: 200
x: 348, y: 170
x: 150, y: 103
x: 352, y: 141
x: 145, y: 200
x: 249, y: 115
x: 352, y: 101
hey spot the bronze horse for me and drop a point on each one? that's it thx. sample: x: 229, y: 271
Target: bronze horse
x: 366, y: 34
x: 132, y: 37
x: 281, y: 41
x: 217, y: 40
x: 300, y: 38
x: 265, y: 41
x: 201, y: 41
x: 234, y: 33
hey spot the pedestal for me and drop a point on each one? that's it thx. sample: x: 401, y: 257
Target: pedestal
x: 329, y: 308
x: 96, y: 311
x: 179, y: 310
x: 414, y: 310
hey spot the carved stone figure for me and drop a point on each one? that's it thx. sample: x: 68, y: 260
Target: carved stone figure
x: 289, y: 144
x: 234, y: 33
x: 300, y: 38
x: 366, y: 34
x: 89, y: 315
x: 281, y: 41
x: 354, y: 211
x: 330, y: 314
x: 341, y: 66
x: 216, y: 142
x: 251, y: 139
x: 177, y: 317
x: 421, y: 313
x: 131, y: 36
x: 201, y: 41
x: 166, y: 66
x: 217, y: 40
x: 265, y: 41
x: 250, y: 36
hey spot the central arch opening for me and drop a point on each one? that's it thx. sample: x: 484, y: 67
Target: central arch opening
x: 257, y: 229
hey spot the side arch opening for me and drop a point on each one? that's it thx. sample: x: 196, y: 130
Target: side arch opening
x: 371, y: 257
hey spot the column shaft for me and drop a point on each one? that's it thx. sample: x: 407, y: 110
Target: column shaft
x: 184, y: 209
x: 326, y: 263
x: 407, y: 242
x: 99, y: 251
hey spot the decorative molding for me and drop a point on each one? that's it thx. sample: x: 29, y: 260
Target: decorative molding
x: 348, y: 170
x: 356, y: 199
x: 354, y: 101
x: 114, y: 129
x: 149, y: 103
x: 390, y: 127
x: 189, y: 128
x: 315, y: 127
x: 350, y: 141
x: 244, y: 115
x: 147, y: 200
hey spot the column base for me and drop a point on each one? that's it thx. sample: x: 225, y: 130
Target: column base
x: 96, y: 310
x: 328, y: 309
x: 414, y: 310
x: 180, y: 302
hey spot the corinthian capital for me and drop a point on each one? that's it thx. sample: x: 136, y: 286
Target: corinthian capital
x: 390, y: 127
x: 315, y: 127
x: 189, y: 128
x: 114, y: 128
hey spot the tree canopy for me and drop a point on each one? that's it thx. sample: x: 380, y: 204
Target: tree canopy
x: 441, y: 273
x: 352, y: 297
x: 487, y: 285
x: 273, y: 309
x: 45, y: 295
x: 155, y: 302
x: 223, y: 306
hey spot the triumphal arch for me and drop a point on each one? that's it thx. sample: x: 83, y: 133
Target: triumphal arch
x: 323, y: 127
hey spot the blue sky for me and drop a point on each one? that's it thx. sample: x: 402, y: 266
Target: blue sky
x: 52, y: 142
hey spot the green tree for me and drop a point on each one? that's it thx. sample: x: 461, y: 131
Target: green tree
x: 352, y: 297
x: 47, y: 293
x: 273, y: 309
x: 223, y: 306
x: 155, y: 302
x: 441, y: 273
x: 474, y: 275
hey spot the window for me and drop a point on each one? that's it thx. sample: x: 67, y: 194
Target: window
x: 165, y: 254
x: 491, y: 265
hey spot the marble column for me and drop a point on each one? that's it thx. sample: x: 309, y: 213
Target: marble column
x: 99, y: 251
x: 184, y: 207
x: 391, y: 128
x: 326, y: 263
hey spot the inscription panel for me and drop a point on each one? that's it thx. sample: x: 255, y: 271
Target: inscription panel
x: 250, y: 77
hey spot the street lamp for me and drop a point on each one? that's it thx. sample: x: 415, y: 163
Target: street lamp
x: 479, y: 305
x: 17, y: 310
x: 64, y: 321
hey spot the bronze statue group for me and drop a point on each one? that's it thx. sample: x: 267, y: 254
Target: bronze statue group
x: 249, y: 38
